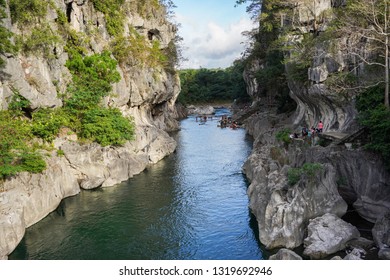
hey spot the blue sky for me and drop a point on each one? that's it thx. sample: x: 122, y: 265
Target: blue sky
x: 211, y: 30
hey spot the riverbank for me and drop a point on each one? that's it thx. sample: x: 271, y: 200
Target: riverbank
x: 190, y: 205
x: 291, y: 215
x: 28, y: 198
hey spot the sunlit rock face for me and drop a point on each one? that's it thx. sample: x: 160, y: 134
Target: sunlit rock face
x: 351, y: 177
x: 317, y: 102
x: 327, y: 235
x: 283, y: 211
x: 146, y: 94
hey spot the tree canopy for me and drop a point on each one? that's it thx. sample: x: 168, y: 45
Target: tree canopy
x: 208, y: 85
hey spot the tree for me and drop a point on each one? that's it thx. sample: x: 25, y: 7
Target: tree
x: 366, y: 23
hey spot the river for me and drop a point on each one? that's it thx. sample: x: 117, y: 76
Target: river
x: 192, y: 205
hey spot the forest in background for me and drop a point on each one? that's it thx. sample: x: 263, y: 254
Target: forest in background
x: 213, y: 85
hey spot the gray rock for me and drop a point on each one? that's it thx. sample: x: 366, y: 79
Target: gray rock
x: 381, y: 235
x: 200, y: 110
x: 327, y: 235
x: 27, y: 198
x: 361, y: 243
x: 384, y: 254
x: 318, y: 74
x: 283, y: 211
x: 285, y: 254
x: 355, y: 254
x: 146, y: 94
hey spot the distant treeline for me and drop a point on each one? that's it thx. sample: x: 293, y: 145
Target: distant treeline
x: 211, y: 85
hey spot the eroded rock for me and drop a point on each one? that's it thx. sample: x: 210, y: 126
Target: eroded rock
x: 283, y: 211
x: 285, y: 254
x: 327, y: 235
x: 381, y: 234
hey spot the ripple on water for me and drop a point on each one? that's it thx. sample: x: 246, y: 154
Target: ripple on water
x: 191, y: 205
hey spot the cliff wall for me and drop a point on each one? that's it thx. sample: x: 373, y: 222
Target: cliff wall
x: 145, y: 92
x: 285, y: 208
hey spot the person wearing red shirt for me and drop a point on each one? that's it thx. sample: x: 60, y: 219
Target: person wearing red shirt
x: 320, y: 126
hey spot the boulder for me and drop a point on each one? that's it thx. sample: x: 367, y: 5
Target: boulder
x: 327, y: 235
x: 361, y: 243
x: 384, y: 254
x: 27, y: 198
x: 381, y: 235
x: 283, y: 211
x: 200, y: 110
x: 355, y: 254
x: 285, y: 254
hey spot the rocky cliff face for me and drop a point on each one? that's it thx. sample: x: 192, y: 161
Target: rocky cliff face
x: 286, y: 212
x: 145, y: 93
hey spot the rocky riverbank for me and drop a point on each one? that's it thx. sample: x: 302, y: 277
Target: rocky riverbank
x: 309, y: 212
x: 27, y: 198
x: 300, y: 190
x: 146, y: 92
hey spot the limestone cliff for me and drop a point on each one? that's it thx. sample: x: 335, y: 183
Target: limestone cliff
x: 354, y: 177
x: 146, y: 92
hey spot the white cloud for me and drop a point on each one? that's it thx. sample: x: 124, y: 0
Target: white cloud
x: 212, y: 45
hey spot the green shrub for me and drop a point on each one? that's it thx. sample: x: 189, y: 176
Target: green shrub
x: 6, y: 45
x: 18, y: 103
x: 138, y: 50
x: 61, y: 17
x: 114, y: 15
x: 76, y: 43
x: 376, y: 118
x: 106, y: 127
x: 96, y: 72
x: 284, y: 136
x: 16, y: 155
x: 32, y: 162
x: 308, y: 169
x: 27, y: 11
x: 42, y: 40
x: 47, y: 123
x: 60, y: 153
x: 294, y: 175
x: 92, y: 79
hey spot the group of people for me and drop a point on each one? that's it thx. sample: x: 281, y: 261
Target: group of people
x: 309, y: 132
x: 203, y: 118
x: 226, y: 121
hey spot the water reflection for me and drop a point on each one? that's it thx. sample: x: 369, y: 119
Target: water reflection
x: 191, y: 205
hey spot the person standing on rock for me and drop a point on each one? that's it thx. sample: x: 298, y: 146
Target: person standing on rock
x: 320, y: 127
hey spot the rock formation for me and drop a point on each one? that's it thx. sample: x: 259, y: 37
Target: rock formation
x: 146, y: 93
x: 285, y: 211
x: 285, y: 254
x: 327, y: 235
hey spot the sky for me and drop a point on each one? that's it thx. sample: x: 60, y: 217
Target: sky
x: 211, y: 32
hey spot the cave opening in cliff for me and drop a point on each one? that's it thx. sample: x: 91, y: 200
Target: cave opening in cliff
x: 69, y: 11
x: 153, y: 34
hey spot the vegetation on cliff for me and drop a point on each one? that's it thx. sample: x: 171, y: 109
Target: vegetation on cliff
x: 18, y: 150
x: 292, y: 35
x: 374, y: 115
x: 26, y: 131
x: 6, y: 45
x: 266, y: 49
